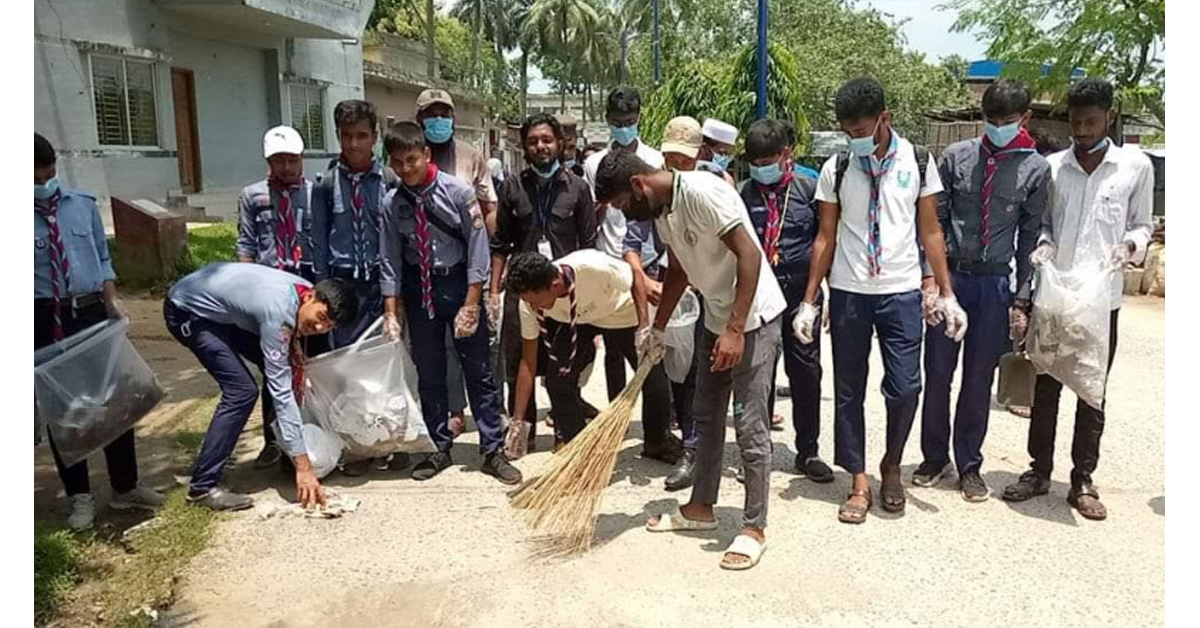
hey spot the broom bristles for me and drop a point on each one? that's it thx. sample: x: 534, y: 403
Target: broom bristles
x: 561, y: 503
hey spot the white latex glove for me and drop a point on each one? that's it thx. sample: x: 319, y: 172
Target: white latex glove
x: 115, y: 309
x: 1018, y: 323
x: 391, y: 327
x: 466, y: 321
x: 1043, y: 254
x: 493, y: 310
x: 930, y: 311
x: 651, y: 344
x: 1120, y: 255
x: 956, y: 318
x: 516, y: 439
x: 802, y: 323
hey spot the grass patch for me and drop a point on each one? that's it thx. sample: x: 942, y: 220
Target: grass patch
x: 55, y: 570
x: 191, y: 428
x: 205, y: 245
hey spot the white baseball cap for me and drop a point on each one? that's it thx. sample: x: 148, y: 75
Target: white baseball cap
x: 282, y: 139
x: 719, y: 131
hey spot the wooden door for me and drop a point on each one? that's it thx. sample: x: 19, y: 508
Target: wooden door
x: 187, y: 135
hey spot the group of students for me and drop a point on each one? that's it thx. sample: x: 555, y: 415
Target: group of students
x: 519, y: 283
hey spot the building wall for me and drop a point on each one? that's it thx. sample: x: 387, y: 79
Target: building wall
x: 400, y: 101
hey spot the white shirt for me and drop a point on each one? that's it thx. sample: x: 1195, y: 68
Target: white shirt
x: 1089, y: 216
x: 704, y: 209
x: 611, y: 238
x: 603, y: 295
x: 899, y: 260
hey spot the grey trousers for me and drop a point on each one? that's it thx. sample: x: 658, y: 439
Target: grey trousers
x: 750, y: 384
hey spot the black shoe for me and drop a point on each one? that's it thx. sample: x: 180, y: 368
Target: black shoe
x: 1030, y: 484
x: 219, y: 499
x: 498, y: 466
x: 589, y: 411
x: 357, y: 469
x: 972, y: 487
x: 286, y: 466
x: 393, y: 462
x: 814, y: 469
x: 432, y: 465
x: 268, y: 457
x: 670, y: 450
x: 682, y: 476
x: 930, y: 473
x: 783, y: 391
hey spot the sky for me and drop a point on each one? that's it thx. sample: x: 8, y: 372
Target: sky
x: 928, y: 31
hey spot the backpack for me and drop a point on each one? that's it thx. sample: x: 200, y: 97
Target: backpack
x: 390, y: 182
x: 843, y: 162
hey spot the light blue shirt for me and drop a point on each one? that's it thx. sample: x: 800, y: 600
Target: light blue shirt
x: 84, y: 241
x: 262, y: 301
x: 333, y: 222
x: 258, y: 219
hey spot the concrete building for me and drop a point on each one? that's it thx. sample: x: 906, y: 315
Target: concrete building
x: 151, y: 98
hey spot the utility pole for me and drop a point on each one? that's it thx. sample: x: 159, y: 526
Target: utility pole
x: 657, y: 46
x: 762, y: 59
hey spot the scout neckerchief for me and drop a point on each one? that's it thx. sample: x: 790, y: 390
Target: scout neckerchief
x: 874, y: 248
x: 295, y: 352
x: 992, y: 156
x: 773, y: 233
x: 60, y: 266
x: 358, y: 217
x: 424, y: 237
x: 568, y: 275
x: 287, y: 241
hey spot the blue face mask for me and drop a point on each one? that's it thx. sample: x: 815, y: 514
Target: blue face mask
x: 546, y: 174
x: 863, y: 146
x: 769, y: 174
x: 624, y: 135
x: 1001, y: 136
x: 722, y: 161
x: 570, y: 163
x: 45, y: 190
x: 439, y: 130
x: 1101, y: 145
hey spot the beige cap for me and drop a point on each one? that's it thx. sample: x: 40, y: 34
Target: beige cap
x: 566, y: 119
x: 431, y: 96
x: 282, y: 139
x: 682, y: 136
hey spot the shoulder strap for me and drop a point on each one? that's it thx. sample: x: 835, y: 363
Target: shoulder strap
x: 843, y: 162
x: 922, y: 155
x: 437, y: 221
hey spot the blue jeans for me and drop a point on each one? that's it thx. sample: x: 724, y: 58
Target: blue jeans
x: 896, y: 320
x: 986, y: 299
x: 429, y: 352
x: 370, y: 308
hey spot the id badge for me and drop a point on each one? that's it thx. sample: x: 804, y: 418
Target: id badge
x: 544, y: 249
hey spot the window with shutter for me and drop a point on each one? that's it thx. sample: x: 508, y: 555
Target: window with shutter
x: 308, y: 114
x: 124, y: 94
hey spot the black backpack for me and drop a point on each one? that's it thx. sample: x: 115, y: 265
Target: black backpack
x: 843, y: 162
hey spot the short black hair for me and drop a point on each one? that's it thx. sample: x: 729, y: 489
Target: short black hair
x: 539, y: 119
x: 43, y: 152
x: 1091, y: 92
x: 859, y: 98
x: 404, y: 136
x: 352, y: 111
x: 623, y: 99
x: 530, y: 272
x: 766, y: 138
x: 1005, y: 98
x: 614, y: 172
x: 338, y: 296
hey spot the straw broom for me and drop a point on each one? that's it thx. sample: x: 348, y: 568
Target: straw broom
x: 561, y: 503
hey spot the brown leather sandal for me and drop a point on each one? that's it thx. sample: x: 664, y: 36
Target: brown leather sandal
x: 850, y: 513
x: 1087, y: 501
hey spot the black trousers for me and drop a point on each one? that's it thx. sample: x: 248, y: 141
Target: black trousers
x: 120, y: 455
x: 1089, y: 424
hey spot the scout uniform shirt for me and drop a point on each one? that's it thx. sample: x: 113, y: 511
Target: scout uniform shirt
x: 75, y: 240
x: 432, y: 230
x: 554, y: 216
x: 703, y: 209
x: 603, y: 295
x: 262, y: 301
x: 785, y: 222
x: 346, y: 218
x: 274, y: 224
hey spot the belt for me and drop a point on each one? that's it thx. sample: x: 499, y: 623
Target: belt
x: 436, y: 271
x: 75, y: 301
x: 977, y: 268
x: 347, y: 272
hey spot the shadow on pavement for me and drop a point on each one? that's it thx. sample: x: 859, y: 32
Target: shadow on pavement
x: 1158, y: 505
x: 1052, y: 507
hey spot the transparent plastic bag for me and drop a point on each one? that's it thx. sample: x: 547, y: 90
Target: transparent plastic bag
x: 1069, y: 327
x: 324, y: 449
x: 365, y: 395
x: 680, y: 337
x: 91, y: 388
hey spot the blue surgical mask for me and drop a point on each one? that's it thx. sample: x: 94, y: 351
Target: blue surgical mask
x: 45, y: 190
x: 863, y: 146
x: 722, y: 161
x: 439, y: 130
x: 1101, y: 145
x: 709, y: 166
x: 546, y: 174
x: 624, y: 135
x: 1001, y: 136
x: 568, y: 164
x: 769, y: 174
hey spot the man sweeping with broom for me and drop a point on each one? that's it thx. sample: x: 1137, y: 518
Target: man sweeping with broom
x: 711, y: 245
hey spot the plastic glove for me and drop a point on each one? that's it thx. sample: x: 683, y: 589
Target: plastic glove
x: 516, y: 439
x: 466, y: 321
x: 1043, y: 254
x: 930, y: 311
x: 1120, y: 255
x: 955, y: 316
x: 1018, y: 322
x: 493, y: 310
x: 802, y: 323
x: 391, y: 327
x: 651, y: 344
x: 115, y: 309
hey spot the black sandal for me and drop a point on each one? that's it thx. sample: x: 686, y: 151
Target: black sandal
x: 1086, y: 500
x: 892, y: 491
x: 1029, y: 485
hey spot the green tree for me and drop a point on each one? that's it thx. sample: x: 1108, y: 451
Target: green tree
x: 1119, y: 40
x: 561, y: 28
x: 957, y: 67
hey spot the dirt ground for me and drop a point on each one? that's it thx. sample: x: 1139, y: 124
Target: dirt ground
x: 450, y: 552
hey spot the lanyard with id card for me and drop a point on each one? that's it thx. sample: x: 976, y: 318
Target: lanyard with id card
x: 544, y: 206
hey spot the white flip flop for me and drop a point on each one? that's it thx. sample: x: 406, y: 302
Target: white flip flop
x: 674, y: 521
x: 747, y: 546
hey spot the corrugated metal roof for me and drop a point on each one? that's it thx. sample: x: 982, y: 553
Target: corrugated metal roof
x: 990, y: 69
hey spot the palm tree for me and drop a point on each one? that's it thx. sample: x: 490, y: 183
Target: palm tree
x: 471, y: 12
x: 561, y: 28
x: 624, y: 21
x: 431, y: 29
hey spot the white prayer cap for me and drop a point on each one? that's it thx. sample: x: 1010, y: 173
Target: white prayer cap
x: 719, y: 131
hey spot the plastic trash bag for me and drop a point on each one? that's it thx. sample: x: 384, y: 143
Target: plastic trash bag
x: 324, y: 449
x: 364, y: 394
x: 91, y: 388
x: 680, y: 337
x: 1069, y: 327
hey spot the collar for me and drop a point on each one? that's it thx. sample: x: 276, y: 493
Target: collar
x: 529, y: 173
x: 1111, y: 156
x: 1022, y: 143
x: 431, y: 174
x: 276, y: 184
x: 782, y: 185
x: 374, y: 168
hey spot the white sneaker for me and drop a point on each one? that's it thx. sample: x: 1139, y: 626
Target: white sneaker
x: 140, y: 497
x: 83, y: 511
